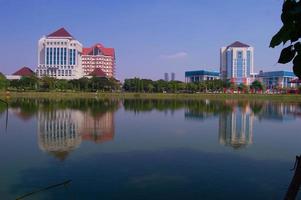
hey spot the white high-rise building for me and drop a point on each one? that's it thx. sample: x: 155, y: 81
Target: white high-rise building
x: 59, y: 56
x: 237, y: 63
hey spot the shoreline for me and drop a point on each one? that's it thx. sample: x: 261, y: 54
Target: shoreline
x: 68, y: 95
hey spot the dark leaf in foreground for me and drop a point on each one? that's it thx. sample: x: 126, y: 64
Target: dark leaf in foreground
x: 287, y: 54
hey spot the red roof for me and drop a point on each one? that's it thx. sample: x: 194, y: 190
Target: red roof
x: 98, y: 73
x: 60, y: 33
x: 24, y: 71
x: 238, y: 44
x: 105, y: 51
x: 297, y: 80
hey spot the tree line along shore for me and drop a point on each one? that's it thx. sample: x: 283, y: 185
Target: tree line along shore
x: 137, y: 85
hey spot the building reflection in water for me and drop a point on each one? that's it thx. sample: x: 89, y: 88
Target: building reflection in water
x: 61, y: 131
x: 98, y: 128
x: 236, y: 127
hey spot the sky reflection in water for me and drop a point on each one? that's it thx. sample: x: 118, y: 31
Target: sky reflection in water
x: 150, y: 149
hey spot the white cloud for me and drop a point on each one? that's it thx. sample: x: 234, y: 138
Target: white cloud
x: 178, y: 55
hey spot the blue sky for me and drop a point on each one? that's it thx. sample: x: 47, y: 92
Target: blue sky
x: 150, y: 37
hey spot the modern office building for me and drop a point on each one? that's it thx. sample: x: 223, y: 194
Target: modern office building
x: 200, y: 75
x: 236, y: 128
x: 173, y: 76
x: 99, y: 57
x: 237, y: 63
x: 59, y: 56
x: 277, y: 79
x: 166, y: 77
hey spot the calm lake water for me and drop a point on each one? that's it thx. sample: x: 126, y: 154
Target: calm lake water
x: 148, y: 149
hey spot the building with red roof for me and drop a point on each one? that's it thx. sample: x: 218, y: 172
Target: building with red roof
x: 59, y: 56
x: 237, y: 63
x: 99, y: 57
x: 23, y: 72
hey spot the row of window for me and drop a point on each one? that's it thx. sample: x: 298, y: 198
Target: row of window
x: 54, y: 72
x: 60, y: 67
x: 98, y: 58
x: 104, y: 63
x: 58, y: 56
x: 60, y: 43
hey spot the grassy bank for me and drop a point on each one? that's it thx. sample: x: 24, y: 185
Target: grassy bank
x: 70, y: 95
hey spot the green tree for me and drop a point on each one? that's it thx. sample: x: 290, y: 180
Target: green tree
x: 28, y: 82
x: 290, y: 31
x: 47, y: 83
x: 257, y: 85
x: 3, y: 82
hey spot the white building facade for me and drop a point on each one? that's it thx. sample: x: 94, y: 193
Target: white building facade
x: 237, y: 63
x: 59, y: 56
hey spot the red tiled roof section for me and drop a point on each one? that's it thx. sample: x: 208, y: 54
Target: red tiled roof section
x: 238, y: 44
x: 104, y: 50
x: 60, y: 33
x: 24, y: 71
x: 297, y: 80
x: 97, y: 73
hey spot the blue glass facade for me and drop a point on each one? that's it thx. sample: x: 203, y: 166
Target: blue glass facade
x: 239, y: 65
x: 229, y: 64
x: 277, y: 78
x: 249, y: 63
x: 200, y: 73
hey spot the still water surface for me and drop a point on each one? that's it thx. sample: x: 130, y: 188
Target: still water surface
x: 148, y: 149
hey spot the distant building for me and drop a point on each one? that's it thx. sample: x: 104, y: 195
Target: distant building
x: 173, y: 76
x: 277, y: 79
x: 200, y: 75
x: 99, y: 57
x: 166, y: 78
x: 23, y: 72
x: 59, y: 56
x: 237, y: 63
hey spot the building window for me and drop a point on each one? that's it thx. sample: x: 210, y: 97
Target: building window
x: 70, y: 56
x: 50, y: 58
x: 47, y: 56
x: 54, y: 56
x: 65, y: 56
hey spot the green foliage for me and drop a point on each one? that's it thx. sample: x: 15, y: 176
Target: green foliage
x: 52, y: 84
x: 257, y: 85
x: 147, y: 85
x: 3, y: 82
x: 290, y: 31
